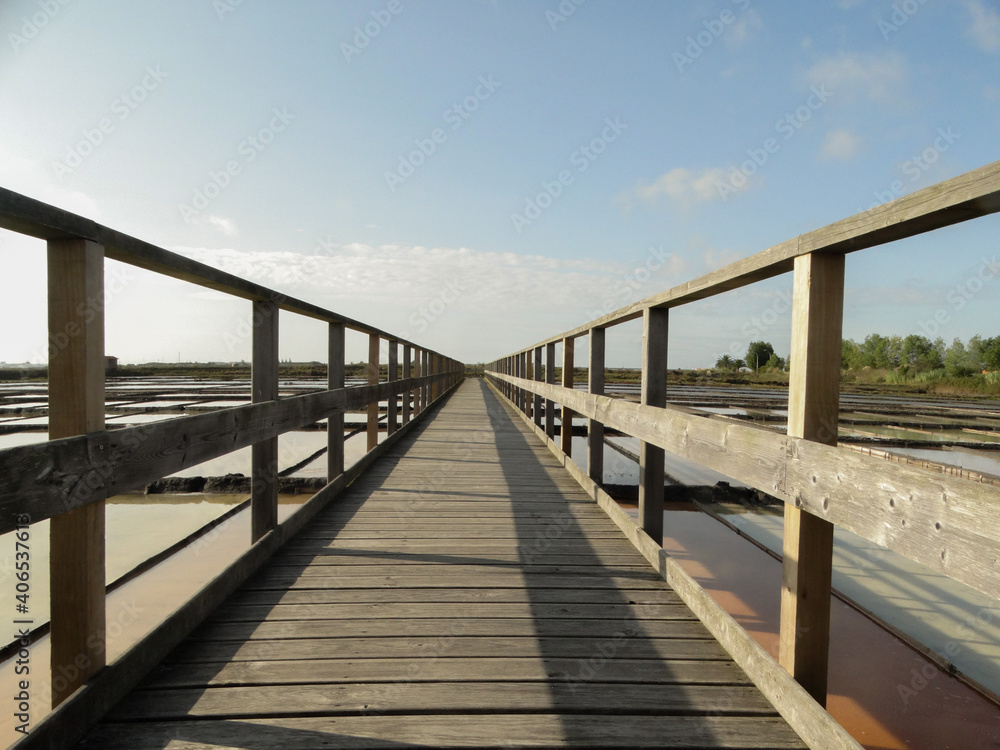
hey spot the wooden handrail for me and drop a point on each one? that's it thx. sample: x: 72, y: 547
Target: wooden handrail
x: 68, y: 478
x: 945, y: 523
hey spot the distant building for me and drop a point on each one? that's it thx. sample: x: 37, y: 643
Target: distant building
x: 110, y: 365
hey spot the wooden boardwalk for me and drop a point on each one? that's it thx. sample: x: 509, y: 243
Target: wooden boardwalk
x: 464, y: 592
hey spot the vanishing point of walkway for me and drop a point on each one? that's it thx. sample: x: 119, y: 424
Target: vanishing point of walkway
x: 463, y: 592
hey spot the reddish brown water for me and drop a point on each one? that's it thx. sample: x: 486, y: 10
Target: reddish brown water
x: 884, y: 693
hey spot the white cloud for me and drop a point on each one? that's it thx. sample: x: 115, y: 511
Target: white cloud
x: 880, y: 78
x: 985, y: 25
x: 685, y: 186
x: 224, y: 225
x: 840, y: 145
x: 446, y: 295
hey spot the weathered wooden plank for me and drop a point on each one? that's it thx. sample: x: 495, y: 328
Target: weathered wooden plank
x: 440, y: 697
x: 446, y: 669
x: 402, y: 610
x: 946, y: 523
x: 263, y: 388
x: 813, y: 411
x: 277, y: 579
x: 457, y: 595
x: 392, y: 407
x: 566, y: 414
x: 654, y: 393
x: 518, y: 730
x: 373, y: 375
x: 335, y: 421
x: 76, y: 407
x: 447, y: 627
x: 595, y: 384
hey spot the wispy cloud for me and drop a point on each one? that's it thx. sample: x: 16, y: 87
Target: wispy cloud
x: 984, y: 27
x: 224, y: 225
x: 840, y: 145
x: 683, y: 186
x: 879, y: 78
x: 526, y: 288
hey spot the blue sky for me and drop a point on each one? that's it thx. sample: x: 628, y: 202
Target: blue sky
x: 482, y: 174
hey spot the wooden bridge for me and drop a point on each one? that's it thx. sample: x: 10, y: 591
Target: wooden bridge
x: 466, y: 584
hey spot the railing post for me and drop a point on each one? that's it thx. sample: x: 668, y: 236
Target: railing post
x: 426, y: 389
x: 76, y: 407
x: 550, y: 377
x: 335, y: 422
x: 373, y: 366
x: 566, y: 430
x: 813, y: 410
x: 526, y: 368
x: 392, y: 403
x: 595, y: 429
x: 654, y: 393
x: 407, y: 374
x: 522, y: 363
x: 264, y: 387
x: 537, y: 400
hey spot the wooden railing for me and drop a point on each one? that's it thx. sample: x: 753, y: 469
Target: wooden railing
x: 949, y: 524
x: 68, y: 478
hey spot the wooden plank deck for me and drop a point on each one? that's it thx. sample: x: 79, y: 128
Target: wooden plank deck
x: 464, y: 592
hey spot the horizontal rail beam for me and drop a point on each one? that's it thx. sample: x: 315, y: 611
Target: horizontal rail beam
x: 47, y: 479
x: 34, y: 218
x: 947, y: 523
x: 968, y: 196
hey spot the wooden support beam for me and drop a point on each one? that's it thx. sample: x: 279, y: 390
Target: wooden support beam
x: 264, y: 387
x: 373, y: 367
x: 654, y: 393
x: 566, y: 421
x: 550, y: 377
x: 595, y: 429
x: 426, y: 390
x: 76, y: 407
x: 335, y: 422
x: 813, y: 410
x: 537, y: 376
x: 392, y: 405
x: 407, y: 374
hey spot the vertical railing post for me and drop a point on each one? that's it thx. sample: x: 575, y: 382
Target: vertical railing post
x: 76, y: 407
x: 522, y: 395
x: 335, y: 422
x: 426, y: 390
x: 392, y: 411
x: 595, y: 429
x: 536, y: 399
x: 654, y: 393
x: 550, y: 377
x: 407, y: 374
x: 813, y: 410
x: 526, y: 374
x: 566, y: 419
x: 373, y: 373
x: 264, y: 387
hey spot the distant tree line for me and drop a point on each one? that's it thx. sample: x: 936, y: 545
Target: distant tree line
x: 911, y: 354
x: 915, y: 354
